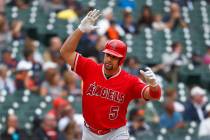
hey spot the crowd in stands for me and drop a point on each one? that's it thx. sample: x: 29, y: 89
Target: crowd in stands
x: 41, y: 69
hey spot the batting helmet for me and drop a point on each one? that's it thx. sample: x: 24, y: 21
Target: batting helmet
x: 116, y: 48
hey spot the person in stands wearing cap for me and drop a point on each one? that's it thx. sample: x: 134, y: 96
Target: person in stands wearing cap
x: 22, y: 78
x: 69, y: 124
x: 48, y: 129
x: 59, y: 105
x: 107, y: 89
x: 137, y: 124
x: 204, y: 127
x: 194, y: 108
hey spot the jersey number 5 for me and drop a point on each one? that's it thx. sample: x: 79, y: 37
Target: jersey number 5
x: 113, y: 114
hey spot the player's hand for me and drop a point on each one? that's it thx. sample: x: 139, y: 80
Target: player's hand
x: 149, y: 77
x: 87, y: 24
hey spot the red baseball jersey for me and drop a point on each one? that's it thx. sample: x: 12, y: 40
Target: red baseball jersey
x: 105, y: 101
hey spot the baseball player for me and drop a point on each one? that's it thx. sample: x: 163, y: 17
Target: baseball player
x: 107, y: 89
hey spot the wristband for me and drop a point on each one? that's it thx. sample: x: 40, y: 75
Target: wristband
x: 155, y: 94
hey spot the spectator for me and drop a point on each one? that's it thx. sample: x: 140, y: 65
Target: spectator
x: 101, y: 41
x: 70, y: 85
x: 204, y: 127
x: 68, y: 14
x: 93, y: 46
x: 30, y: 43
x: 150, y: 112
x: 52, y: 85
x: 171, y: 62
x: 137, y: 125
x: 128, y: 23
x: 6, y: 83
x: 132, y: 65
x: 48, y: 129
x: 21, y: 4
x: 5, y: 36
x: 69, y: 123
x: 49, y: 66
x: 7, y: 59
x: 197, y: 58
x: 171, y: 94
x: 13, y: 132
x: 2, y: 6
x: 171, y: 119
x: 16, y: 30
x: 89, y: 41
x: 175, y: 58
x: 36, y: 67
x: 75, y: 5
x: 22, y: 78
x: 194, y: 108
x: 181, y: 2
x: 106, y: 22
x: 36, y: 123
x: 146, y: 18
x: 113, y: 32
x: 58, y: 107
x: 158, y: 24
x: 52, y: 54
x: 127, y: 4
x: 174, y: 19
x: 206, y: 58
x: 54, y: 46
x: 53, y: 5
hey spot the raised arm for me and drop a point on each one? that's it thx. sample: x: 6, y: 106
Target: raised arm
x: 87, y: 24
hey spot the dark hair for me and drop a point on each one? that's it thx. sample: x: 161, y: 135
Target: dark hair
x: 146, y: 7
x: 143, y: 20
x: 127, y: 14
x: 27, y: 53
x: 170, y: 91
x: 8, y: 115
x: 175, y: 44
x: 129, y: 58
x: 6, y: 50
x: 138, y: 118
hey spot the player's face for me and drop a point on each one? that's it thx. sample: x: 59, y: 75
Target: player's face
x: 111, y: 62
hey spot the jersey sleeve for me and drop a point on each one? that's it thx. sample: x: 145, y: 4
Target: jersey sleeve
x: 138, y: 87
x: 83, y: 66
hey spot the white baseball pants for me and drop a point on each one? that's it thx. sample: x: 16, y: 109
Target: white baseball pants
x: 116, y: 134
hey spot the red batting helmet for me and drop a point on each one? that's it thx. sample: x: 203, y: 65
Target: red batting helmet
x: 116, y: 48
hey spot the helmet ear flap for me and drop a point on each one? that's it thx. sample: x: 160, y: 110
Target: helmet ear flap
x: 120, y: 61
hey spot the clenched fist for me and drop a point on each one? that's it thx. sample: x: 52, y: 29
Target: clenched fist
x: 149, y: 77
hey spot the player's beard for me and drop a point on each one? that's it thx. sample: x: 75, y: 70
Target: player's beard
x: 108, y: 66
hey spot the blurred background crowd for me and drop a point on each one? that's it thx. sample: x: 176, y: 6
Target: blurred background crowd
x: 40, y: 97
